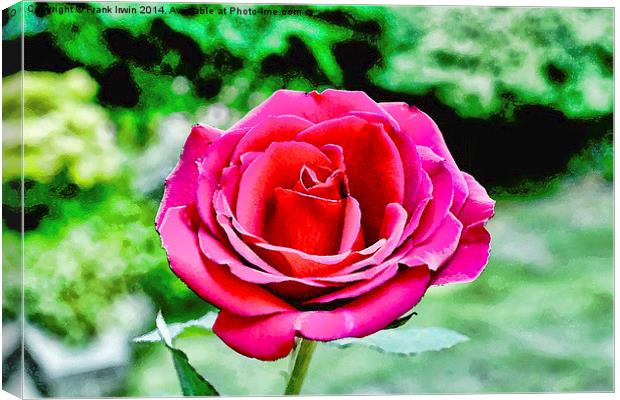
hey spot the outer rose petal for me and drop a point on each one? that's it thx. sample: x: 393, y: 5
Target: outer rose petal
x: 478, y: 207
x: 210, y: 281
x: 181, y: 183
x: 426, y: 133
x: 272, y: 336
x: 266, y: 338
x: 439, y: 206
x: 435, y: 250
x: 315, y: 107
x: 470, y: 257
x: 211, y: 168
x: 281, y: 128
x: 370, y: 312
x: 472, y: 253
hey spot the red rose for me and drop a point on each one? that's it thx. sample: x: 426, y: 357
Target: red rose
x: 321, y: 216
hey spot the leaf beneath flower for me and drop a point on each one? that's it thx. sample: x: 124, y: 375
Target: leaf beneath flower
x: 407, y: 340
x: 196, y: 327
x: 192, y: 383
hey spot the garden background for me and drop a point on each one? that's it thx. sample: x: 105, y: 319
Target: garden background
x: 524, y: 97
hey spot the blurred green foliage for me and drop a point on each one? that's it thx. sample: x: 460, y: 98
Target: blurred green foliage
x: 597, y: 157
x: 88, y: 257
x: 63, y: 129
x: 482, y: 60
x: 479, y: 61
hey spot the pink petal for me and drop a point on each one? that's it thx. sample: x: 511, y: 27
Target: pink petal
x: 210, y: 281
x: 304, y: 222
x: 181, y: 183
x: 423, y: 196
x: 281, y: 128
x: 279, y: 166
x: 408, y: 154
x: 359, y: 288
x: 435, y: 250
x: 298, y: 290
x: 393, y: 225
x: 242, y: 248
x: 343, y: 268
x: 265, y: 255
x: 271, y: 337
x: 370, y: 312
x: 221, y: 254
x: 211, y: 167
x: 352, y: 235
x: 478, y: 207
x: 315, y: 107
x: 333, y: 188
x: 373, y: 165
x: 426, y: 133
x: 439, y: 206
x: 267, y: 338
x: 470, y: 257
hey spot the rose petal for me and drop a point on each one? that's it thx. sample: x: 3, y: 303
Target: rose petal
x: 423, y: 196
x: 304, y: 222
x: 344, y: 267
x: 439, y: 246
x: 210, y: 281
x: 333, y: 188
x: 370, y: 312
x: 426, y: 133
x: 211, y: 167
x: 470, y: 257
x: 181, y: 183
x: 359, y: 288
x: 442, y: 196
x: 279, y: 166
x: 267, y: 338
x: 478, y: 207
x: 394, y: 220
x: 271, y: 337
x: 374, y: 168
x: 315, y: 107
x: 240, y: 238
x: 281, y: 128
x: 408, y: 154
x: 284, y: 286
x: 352, y: 235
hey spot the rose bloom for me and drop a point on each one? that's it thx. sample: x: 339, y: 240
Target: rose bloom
x: 322, y: 216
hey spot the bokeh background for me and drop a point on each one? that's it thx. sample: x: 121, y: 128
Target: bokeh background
x: 524, y: 97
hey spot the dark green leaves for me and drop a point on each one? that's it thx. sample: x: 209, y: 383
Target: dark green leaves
x: 192, y: 383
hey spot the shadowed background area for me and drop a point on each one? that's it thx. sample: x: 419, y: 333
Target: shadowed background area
x: 523, y: 96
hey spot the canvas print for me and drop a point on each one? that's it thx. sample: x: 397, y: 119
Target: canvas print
x: 247, y: 200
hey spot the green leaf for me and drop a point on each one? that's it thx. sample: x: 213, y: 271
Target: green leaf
x: 196, y: 327
x: 407, y: 340
x: 192, y: 383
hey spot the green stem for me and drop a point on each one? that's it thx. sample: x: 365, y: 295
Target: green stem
x: 304, y: 355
